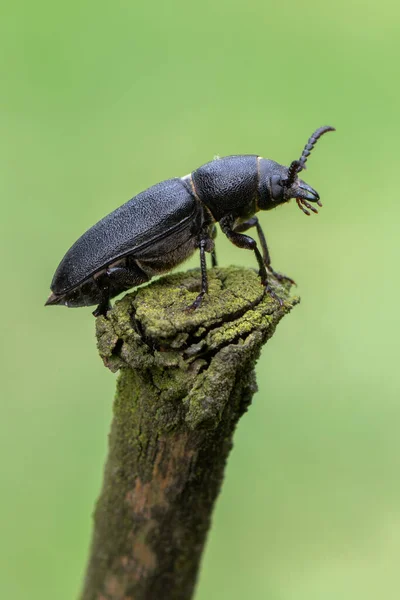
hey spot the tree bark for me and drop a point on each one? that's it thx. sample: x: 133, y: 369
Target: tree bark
x: 185, y: 380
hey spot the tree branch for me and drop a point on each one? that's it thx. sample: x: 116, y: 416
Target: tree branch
x: 185, y: 380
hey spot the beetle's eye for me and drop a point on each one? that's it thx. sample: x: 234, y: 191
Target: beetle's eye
x: 277, y: 188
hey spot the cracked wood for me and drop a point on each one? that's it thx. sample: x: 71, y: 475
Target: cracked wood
x: 185, y: 380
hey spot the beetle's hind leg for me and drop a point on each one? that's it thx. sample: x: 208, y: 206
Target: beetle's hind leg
x: 122, y: 277
x: 104, y: 306
x: 117, y: 279
x: 254, y: 222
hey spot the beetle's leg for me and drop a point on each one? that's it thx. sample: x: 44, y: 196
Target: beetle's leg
x: 104, y: 287
x: 244, y: 241
x: 213, y: 253
x: 254, y: 222
x: 117, y: 279
x: 213, y: 259
x: 204, y: 246
x: 247, y: 242
x: 124, y: 277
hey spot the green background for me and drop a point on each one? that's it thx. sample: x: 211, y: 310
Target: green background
x: 101, y: 100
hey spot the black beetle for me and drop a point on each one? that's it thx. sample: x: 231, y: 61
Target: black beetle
x: 159, y: 228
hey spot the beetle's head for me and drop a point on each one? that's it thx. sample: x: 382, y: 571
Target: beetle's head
x: 285, y: 183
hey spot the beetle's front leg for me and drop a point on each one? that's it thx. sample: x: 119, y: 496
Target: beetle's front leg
x: 254, y: 222
x: 244, y: 241
x: 247, y: 242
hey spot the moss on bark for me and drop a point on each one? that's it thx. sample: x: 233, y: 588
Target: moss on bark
x: 185, y: 380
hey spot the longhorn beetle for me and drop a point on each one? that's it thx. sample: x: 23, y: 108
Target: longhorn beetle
x: 159, y: 228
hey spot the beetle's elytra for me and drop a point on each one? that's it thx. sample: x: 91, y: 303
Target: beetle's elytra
x: 159, y: 228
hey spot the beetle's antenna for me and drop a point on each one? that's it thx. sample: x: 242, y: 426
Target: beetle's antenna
x: 295, y: 167
x: 311, y: 143
x: 298, y: 165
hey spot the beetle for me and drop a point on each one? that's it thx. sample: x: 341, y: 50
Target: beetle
x: 159, y: 228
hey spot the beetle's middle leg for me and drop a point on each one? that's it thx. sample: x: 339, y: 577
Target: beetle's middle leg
x: 254, y: 222
x: 205, y: 245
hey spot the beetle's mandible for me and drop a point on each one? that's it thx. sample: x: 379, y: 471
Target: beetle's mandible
x: 159, y: 228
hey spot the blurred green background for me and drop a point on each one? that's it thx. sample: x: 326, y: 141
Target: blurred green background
x: 99, y: 101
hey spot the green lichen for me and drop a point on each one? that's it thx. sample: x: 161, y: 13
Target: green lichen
x: 151, y: 331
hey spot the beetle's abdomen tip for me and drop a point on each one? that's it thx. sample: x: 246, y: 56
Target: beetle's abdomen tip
x: 52, y: 299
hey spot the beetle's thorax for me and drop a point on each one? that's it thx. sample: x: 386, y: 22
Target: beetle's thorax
x: 227, y: 186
